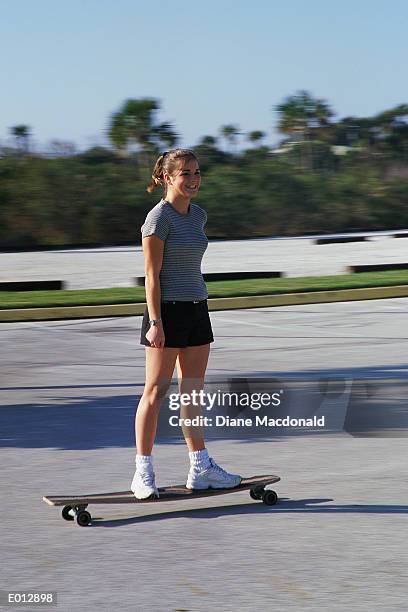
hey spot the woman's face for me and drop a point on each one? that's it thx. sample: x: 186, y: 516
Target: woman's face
x: 186, y: 179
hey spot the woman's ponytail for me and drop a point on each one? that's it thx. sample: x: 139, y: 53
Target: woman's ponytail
x: 157, y: 176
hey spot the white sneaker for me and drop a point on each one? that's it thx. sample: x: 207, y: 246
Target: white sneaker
x: 214, y: 477
x: 143, y: 485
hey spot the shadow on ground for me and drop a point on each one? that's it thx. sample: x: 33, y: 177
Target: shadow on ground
x: 357, y: 406
x: 285, y: 505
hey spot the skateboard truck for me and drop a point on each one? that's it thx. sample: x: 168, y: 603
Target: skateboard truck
x: 70, y: 513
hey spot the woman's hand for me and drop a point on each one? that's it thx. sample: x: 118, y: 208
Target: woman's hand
x: 155, y: 335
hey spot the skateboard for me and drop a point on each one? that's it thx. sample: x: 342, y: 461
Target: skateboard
x: 75, y: 505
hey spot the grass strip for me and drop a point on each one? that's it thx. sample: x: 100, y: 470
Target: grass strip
x: 235, y: 288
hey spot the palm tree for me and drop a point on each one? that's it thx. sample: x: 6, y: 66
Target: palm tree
x: 209, y: 141
x: 230, y: 133
x: 117, y: 133
x: 302, y: 115
x: 22, y: 135
x: 304, y: 118
x: 135, y: 124
x: 256, y: 136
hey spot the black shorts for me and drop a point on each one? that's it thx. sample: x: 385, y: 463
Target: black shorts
x: 184, y: 324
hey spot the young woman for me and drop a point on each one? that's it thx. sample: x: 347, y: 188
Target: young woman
x: 176, y: 328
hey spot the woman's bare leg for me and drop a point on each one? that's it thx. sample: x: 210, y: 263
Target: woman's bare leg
x: 191, y: 366
x: 159, y: 371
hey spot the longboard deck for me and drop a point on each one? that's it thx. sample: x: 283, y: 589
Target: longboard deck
x: 172, y: 493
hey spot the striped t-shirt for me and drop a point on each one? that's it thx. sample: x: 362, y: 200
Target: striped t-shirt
x: 184, y: 246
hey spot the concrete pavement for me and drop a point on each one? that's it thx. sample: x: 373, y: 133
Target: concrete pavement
x: 336, y: 540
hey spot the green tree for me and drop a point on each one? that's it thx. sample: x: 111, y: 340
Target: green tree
x: 256, y: 136
x: 305, y: 119
x: 136, y: 123
x: 209, y: 141
x: 302, y: 117
x: 21, y: 134
x: 230, y: 133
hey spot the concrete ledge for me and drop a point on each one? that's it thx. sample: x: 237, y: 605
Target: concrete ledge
x: 377, y: 267
x: 340, y: 239
x: 218, y: 276
x: 231, y: 303
x: 42, y: 285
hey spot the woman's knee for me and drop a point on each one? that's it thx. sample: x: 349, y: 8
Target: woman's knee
x: 154, y: 393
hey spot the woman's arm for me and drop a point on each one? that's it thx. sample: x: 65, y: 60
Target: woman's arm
x: 153, y: 248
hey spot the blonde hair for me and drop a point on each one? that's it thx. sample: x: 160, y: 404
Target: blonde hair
x: 168, y: 163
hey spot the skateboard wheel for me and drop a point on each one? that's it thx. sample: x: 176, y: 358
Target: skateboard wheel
x: 83, y: 518
x: 269, y: 498
x: 66, y: 513
x: 256, y: 493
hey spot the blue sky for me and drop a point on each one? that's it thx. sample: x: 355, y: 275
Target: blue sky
x: 66, y: 65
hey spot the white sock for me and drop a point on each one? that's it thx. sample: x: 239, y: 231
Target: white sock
x: 200, y: 460
x: 144, y: 463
